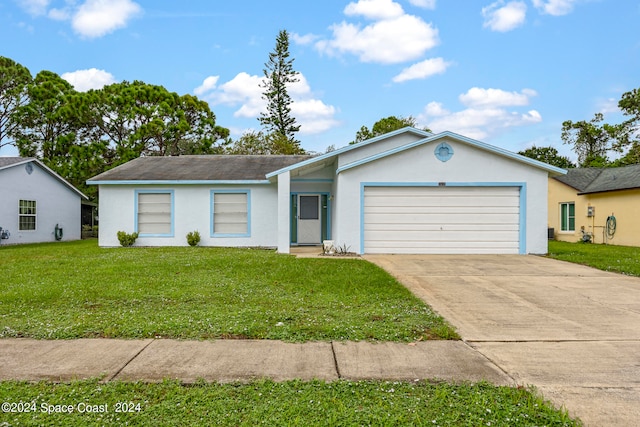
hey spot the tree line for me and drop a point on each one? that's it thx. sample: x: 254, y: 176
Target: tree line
x: 82, y: 134
x: 594, y: 141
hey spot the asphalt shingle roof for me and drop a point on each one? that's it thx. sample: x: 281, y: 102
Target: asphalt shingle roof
x: 598, y: 180
x: 8, y: 161
x: 199, y: 168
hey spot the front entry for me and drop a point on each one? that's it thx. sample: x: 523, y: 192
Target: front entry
x: 309, y: 224
x: 309, y: 218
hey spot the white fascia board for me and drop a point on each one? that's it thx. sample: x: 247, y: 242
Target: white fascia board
x: 178, y: 182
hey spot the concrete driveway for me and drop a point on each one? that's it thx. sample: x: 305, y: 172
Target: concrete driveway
x: 572, y: 331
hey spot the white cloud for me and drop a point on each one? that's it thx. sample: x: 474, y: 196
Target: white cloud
x: 34, y: 7
x: 374, y: 9
x: 422, y: 70
x: 555, y: 7
x: 304, y: 39
x: 59, y: 14
x: 426, y: 4
x: 485, y: 116
x: 96, y: 18
x: 244, y: 92
x: 388, y: 41
x: 84, y: 80
x: 479, y: 97
x: 207, y: 85
x: 503, y: 17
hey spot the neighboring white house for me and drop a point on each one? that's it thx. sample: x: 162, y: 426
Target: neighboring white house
x: 37, y: 204
x: 408, y: 191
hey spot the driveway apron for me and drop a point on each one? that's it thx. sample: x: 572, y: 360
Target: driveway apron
x: 572, y: 331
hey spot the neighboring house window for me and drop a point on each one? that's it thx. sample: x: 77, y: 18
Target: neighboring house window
x: 230, y: 213
x: 567, y: 217
x: 155, y: 213
x: 27, y: 215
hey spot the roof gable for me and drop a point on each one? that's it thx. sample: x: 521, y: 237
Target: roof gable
x: 328, y: 156
x: 9, y: 162
x: 427, y: 138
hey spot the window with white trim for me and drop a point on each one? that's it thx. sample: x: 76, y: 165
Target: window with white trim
x: 567, y: 216
x: 230, y: 213
x: 155, y: 216
x: 27, y: 215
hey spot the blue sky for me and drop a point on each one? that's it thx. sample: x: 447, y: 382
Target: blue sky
x: 504, y: 72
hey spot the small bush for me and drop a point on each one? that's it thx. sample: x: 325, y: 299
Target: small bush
x: 193, y: 238
x: 127, y: 239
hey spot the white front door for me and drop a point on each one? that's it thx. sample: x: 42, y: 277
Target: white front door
x: 309, y: 222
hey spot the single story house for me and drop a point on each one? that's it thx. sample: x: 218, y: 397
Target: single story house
x: 407, y: 191
x: 37, y: 204
x: 601, y: 203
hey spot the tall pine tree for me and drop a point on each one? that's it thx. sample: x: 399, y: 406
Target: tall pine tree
x: 278, y: 73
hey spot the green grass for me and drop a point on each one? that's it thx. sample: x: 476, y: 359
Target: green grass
x: 296, y: 403
x: 618, y: 259
x: 78, y: 290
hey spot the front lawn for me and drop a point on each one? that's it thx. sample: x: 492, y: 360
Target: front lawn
x: 618, y: 259
x: 297, y: 403
x: 78, y: 290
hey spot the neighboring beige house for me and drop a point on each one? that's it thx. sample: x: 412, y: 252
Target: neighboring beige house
x: 603, y: 203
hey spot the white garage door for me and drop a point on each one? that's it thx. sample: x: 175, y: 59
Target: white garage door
x: 442, y: 220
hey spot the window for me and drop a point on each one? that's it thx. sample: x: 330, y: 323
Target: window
x: 27, y: 215
x: 155, y: 213
x: 230, y: 213
x: 567, y: 217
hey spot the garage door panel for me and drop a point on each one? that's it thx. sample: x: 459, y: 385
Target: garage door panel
x: 437, y: 227
x: 447, y: 235
x: 471, y: 202
x: 442, y: 209
x: 443, y: 248
x: 441, y: 219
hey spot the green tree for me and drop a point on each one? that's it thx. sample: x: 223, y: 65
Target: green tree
x: 591, y: 141
x: 629, y: 134
x: 14, y: 84
x: 50, y: 127
x: 46, y: 125
x: 548, y: 155
x: 386, y: 125
x: 258, y: 142
x: 137, y: 119
x: 279, y: 73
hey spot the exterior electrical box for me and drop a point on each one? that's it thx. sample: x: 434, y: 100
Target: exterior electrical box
x: 591, y: 211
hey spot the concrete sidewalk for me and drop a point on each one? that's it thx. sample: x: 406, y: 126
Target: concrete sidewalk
x: 242, y: 360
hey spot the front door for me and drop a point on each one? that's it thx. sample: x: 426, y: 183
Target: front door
x: 309, y: 219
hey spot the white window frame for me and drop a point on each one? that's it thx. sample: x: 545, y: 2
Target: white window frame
x: 214, y: 233
x: 33, y: 215
x: 170, y: 233
x: 568, y: 218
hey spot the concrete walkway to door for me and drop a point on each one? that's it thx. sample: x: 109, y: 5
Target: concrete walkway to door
x: 572, y: 331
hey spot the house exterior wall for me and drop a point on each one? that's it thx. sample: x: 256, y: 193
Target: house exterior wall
x: 56, y: 203
x: 192, y: 211
x: 623, y: 204
x: 469, y: 166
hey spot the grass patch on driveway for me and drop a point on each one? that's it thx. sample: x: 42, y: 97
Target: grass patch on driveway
x: 296, y: 403
x: 617, y: 259
x: 78, y: 290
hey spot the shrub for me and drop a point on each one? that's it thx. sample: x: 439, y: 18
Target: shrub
x: 193, y: 238
x: 127, y: 239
